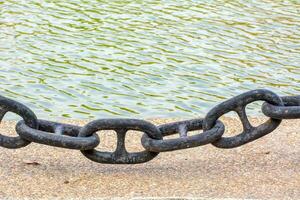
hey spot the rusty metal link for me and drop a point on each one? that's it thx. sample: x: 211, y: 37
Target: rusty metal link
x: 238, y: 104
x: 290, y: 109
x: 85, y: 138
x: 9, y: 105
x: 58, y: 135
x: 184, y: 141
x: 120, y: 126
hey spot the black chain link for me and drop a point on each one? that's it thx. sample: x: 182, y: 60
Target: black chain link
x: 290, y: 109
x: 121, y: 126
x: 58, y: 135
x: 85, y: 138
x: 184, y: 141
x: 9, y: 105
x: 238, y: 104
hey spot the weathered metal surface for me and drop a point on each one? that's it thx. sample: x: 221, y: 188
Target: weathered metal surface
x: 120, y: 126
x: 238, y: 104
x: 58, y: 135
x: 184, y: 141
x: 85, y: 138
x: 290, y: 109
x: 9, y: 105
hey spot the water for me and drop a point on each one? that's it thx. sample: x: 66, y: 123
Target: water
x: 93, y: 59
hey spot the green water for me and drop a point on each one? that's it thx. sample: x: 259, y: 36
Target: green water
x: 144, y: 59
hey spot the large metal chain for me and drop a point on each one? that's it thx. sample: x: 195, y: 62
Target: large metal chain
x: 85, y: 138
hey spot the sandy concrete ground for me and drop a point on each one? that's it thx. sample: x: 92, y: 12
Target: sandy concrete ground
x: 266, y: 169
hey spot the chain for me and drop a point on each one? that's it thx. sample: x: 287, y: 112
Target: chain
x: 85, y: 139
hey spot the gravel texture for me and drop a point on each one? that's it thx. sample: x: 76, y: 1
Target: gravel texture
x: 268, y: 168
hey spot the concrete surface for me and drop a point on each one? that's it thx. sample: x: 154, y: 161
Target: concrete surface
x: 268, y: 168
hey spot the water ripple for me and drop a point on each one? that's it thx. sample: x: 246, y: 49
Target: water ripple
x: 89, y: 59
